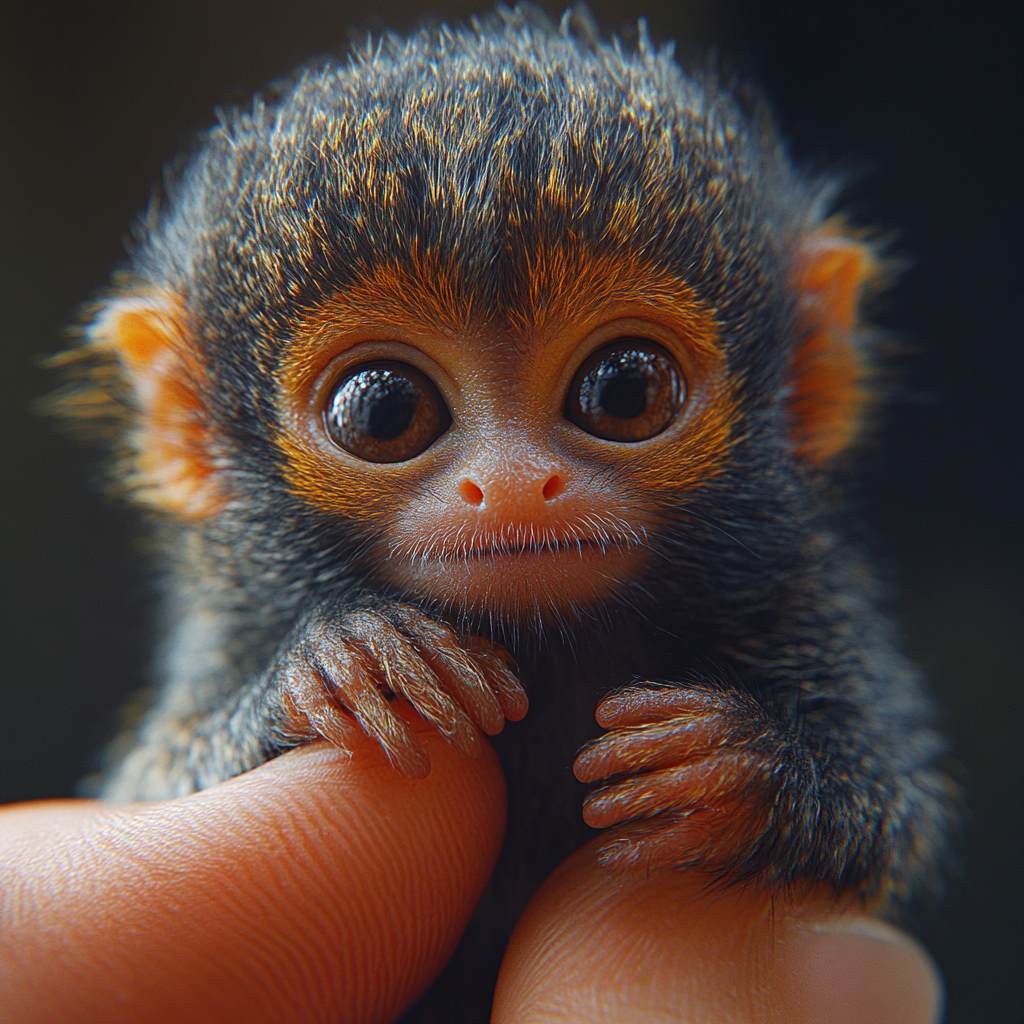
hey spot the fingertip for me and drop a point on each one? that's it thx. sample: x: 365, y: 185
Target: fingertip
x: 487, y: 714
x: 411, y: 764
x: 465, y: 740
x: 857, y: 970
x: 492, y: 727
x: 587, y: 765
x: 514, y: 701
x: 609, y: 711
x: 624, y: 707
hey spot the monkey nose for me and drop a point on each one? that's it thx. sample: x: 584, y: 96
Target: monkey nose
x: 511, y: 489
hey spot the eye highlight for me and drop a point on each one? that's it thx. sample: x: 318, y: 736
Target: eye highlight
x: 385, y: 412
x: 630, y: 390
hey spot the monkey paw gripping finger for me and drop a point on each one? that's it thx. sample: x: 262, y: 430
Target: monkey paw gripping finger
x: 346, y: 665
x: 691, y: 775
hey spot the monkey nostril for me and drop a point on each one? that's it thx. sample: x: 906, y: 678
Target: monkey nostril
x: 470, y: 493
x: 553, y: 487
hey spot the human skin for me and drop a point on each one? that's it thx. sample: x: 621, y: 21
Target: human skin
x: 257, y: 901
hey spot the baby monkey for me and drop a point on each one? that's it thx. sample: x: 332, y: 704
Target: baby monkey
x: 505, y: 361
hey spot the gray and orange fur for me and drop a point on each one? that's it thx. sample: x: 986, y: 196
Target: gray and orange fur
x: 502, y: 192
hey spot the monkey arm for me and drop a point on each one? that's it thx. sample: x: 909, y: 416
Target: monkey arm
x: 815, y: 761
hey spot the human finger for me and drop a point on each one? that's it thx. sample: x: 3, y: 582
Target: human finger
x: 319, y: 886
x: 602, y: 947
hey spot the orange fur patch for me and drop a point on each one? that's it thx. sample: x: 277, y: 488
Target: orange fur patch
x: 173, y: 470
x: 829, y: 371
x: 564, y: 286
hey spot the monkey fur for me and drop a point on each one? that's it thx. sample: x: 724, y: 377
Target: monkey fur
x: 504, y: 202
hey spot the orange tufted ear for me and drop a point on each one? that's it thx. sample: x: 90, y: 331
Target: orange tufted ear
x: 828, y: 375
x: 173, y: 466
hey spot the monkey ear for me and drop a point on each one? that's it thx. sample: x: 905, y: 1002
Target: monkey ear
x: 172, y: 466
x: 829, y: 373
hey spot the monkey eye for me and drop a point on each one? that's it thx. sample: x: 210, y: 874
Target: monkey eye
x: 385, y: 412
x: 630, y: 390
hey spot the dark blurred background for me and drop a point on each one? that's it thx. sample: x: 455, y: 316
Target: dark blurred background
x: 918, y: 103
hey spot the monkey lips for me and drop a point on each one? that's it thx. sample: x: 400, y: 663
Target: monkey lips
x: 546, y: 567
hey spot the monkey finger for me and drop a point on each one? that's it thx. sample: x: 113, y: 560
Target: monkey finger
x: 676, y: 789
x: 714, y: 838
x: 355, y: 684
x: 409, y: 676
x: 497, y: 664
x: 437, y: 708
x: 645, y: 747
x: 646, y: 845
x: 460, y: 677
x: 639, y: 705
x: 305, y: 696
x: 467, y: 685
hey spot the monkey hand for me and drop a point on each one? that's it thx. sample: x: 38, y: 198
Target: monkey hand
x: 692, y: 776
x: 344, y: 663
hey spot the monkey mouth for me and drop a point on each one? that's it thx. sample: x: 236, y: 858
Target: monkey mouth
x: 516, y: 577
x: 458, y: 549
x: 580, y: 546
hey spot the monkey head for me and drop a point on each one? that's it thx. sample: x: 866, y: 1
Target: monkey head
x: 500, y: 322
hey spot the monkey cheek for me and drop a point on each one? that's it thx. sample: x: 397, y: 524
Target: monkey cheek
x: 520, y: 586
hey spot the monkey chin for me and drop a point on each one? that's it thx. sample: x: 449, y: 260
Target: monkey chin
x: 529, y: 586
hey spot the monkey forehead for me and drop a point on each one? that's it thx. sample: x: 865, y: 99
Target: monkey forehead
x: 574, y: 291
x: 464, y: 160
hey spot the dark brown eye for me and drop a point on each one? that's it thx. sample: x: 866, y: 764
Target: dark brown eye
x: 630, y: 390
x: 385, y: 412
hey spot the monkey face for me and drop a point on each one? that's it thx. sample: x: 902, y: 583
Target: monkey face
x: 528, y: 464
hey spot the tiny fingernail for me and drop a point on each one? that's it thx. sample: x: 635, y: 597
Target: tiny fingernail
x: 861, y: 971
